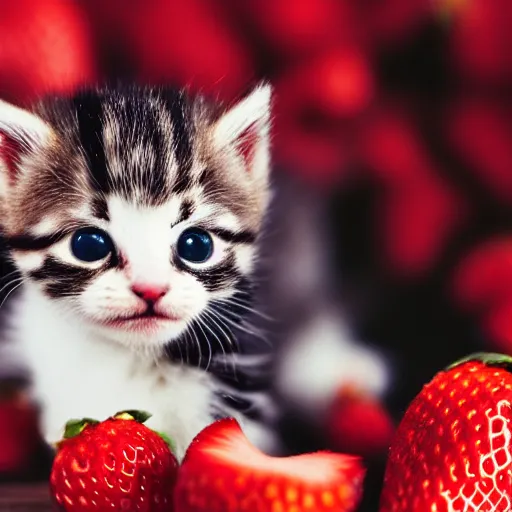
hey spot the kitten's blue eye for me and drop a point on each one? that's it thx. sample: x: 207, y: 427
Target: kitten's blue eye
x: 91, y: 244
x: 195, y: 245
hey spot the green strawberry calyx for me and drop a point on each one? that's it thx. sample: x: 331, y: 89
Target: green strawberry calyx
x: 138, y: 416
x: 487, y: 358
x: 170, y: 443
x: 142, y: 417
x: 74, y: 428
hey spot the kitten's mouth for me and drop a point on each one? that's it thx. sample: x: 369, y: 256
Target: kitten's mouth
x: 149, y: 318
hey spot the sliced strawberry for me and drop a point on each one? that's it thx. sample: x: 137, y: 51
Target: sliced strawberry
x: 223, y: 472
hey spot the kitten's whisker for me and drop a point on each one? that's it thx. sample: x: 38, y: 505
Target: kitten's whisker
x: 199, y: 347
x: 229, y: 337
x: 10, y: 274
x: 219, y: 341
x: 15, y: 283
x: 249, y: 309
x: 181, y: 353
x: 186, y: 347
x: 210, y: 351
x: 241, y: 294
x: 243, y: 329
x: 16, y: 280
x: 9, y: 294
x: 232, y: 341
x: 203, y: 322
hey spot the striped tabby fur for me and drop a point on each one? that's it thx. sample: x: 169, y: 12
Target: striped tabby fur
x: 141, y: 164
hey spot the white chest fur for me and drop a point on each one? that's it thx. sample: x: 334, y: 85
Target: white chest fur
x: 75, y: 376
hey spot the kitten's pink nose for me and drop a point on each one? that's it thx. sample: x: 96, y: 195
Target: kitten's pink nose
x: 149, y: 292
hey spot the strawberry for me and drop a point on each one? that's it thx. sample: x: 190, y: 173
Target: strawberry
x: 185, y: 42
x: 337, y: 84
x: 479, y: 131
x: 45, y: 48
x: 497, y: 325
x: 417, y: 222
x: 19, y: 433
x: 452, y: 450
x: 295, y: 29
x: 418, y: 211
x: 481, y: 40
x: 358, y: 424
x: 118, y: 464
x: 483, y: 278
x: 223, y: 472
x: 393, y: 22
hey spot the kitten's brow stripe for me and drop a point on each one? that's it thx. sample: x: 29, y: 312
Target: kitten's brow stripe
x: 186, y: 211
x: 182, y: 133
x: 61, y: 279
x: 218, y: 277
x: 238, y: 237
x: 26, y: 242
x: 99, y: 208
x: 89, y: 112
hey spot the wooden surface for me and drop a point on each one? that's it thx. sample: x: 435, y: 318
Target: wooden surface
x: 25, y: 498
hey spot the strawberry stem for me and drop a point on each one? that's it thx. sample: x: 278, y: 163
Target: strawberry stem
x: 138, y: 416
x: 487, y: 358
x: 75, y: 427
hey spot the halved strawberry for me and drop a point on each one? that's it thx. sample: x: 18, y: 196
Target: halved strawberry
x: 223, y: 472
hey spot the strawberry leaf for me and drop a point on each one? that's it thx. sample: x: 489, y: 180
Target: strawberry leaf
x: 139, y: 416
x: 75, y: 427
x: 487, y: 358
x: 170, y: 443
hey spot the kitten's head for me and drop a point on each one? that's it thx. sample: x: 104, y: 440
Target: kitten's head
x: 135, y: 211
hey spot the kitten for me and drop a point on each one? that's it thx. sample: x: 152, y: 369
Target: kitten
x: 133, y: 217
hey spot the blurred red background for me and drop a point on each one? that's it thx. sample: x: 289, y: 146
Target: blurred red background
x: 398, y: 110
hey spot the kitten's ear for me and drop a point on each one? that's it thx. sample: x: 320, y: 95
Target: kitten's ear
x: 245, y: 128
x: 21, y: 133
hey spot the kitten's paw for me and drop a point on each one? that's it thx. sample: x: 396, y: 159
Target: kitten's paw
x: 323, y: 358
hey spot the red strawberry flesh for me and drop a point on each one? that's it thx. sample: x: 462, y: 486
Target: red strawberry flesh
x: 222, y: 471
